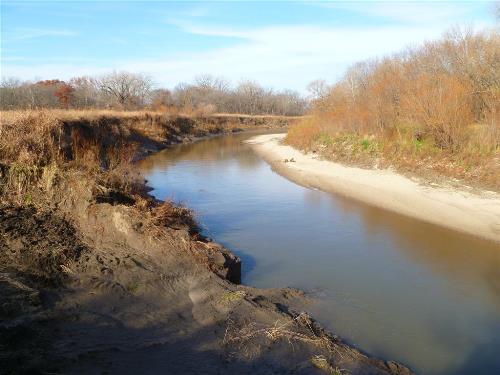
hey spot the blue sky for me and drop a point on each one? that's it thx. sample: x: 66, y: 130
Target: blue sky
x: 279, y: 44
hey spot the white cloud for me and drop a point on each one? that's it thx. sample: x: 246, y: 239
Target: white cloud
x: 286, y: 56
x: 277, y: 56
x: 426, y: 12
x: 13, y: 58
x: 30, y: 33
x: 200, y: 10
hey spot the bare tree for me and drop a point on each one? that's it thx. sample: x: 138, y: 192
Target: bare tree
x: 249, y: 95
x: 126, y: 88
x: 318, y: 89
x: 161, y: 99
x: 13, y: 94
x: 86, y: 92
x: 207, y: 94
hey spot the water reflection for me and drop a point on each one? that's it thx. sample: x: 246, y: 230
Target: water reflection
x: 399, y: 288
x: 469, y: 260
x: 221, y: 148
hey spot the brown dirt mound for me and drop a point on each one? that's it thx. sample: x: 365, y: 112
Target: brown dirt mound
x: 39, y: 244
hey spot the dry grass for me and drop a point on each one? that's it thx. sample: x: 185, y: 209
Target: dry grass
x: 41, y: 148
x: 248, y: 339
x: 72, y: 114
x: 472, y: 165
x: 243, y: 115
x: 37, y: 137
x: 92, y: 114
x: 29, y: 138
x: 35, y: 146
x: 157, y: 125
x: 101, y: 144
x: 173, y: 215
x: 321, y: 362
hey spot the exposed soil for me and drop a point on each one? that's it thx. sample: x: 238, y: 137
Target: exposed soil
x: 92, y: 284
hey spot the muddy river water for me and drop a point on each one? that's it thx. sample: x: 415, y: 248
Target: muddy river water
x: 395, y: 287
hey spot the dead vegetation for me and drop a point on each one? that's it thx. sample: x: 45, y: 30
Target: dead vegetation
x: 173, y: 215
x: 38, y: 147
x: 320, y: 361
x: 247, y: 338
x: 432, y: 111
x: 299, y: 333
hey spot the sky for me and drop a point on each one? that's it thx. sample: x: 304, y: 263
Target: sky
x: 279, y: 44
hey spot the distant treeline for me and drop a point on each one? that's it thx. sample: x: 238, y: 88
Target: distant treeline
x: 124, y: 90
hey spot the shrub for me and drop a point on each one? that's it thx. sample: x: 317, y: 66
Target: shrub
x: 438, y: 102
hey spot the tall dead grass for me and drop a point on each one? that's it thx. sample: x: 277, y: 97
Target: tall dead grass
x: 39, y: 137
x: 36, y: 146
x: 99, y: 143
x: 39, y: 149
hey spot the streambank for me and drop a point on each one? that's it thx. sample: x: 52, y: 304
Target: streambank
x: 457, y: 209
x: 99, y: 278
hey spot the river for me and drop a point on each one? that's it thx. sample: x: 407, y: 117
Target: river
x: 395, y: 287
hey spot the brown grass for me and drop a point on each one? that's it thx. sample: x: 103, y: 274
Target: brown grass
x: 39, y: 148
x: 101, y: 144
x: 249, y: 338
x: 37, y: 137
x: 472, y: 165
x: 174, y: 215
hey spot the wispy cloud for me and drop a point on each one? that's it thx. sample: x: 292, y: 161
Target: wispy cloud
x: 118, y: 40
x: 279, y: 56
x: 13, y: 58
x: 276, y: 55
x: 31, y: 33
x: 208, y: 30
x: 406, y: 12
x: 201, y: 10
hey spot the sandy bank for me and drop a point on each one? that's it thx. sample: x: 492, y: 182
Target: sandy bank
x: 457, y: 209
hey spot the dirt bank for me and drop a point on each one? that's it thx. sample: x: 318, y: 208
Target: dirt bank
x: 476, y: 213
x: 98, y: 277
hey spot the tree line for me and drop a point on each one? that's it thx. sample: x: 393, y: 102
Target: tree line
x: 124, y: 90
